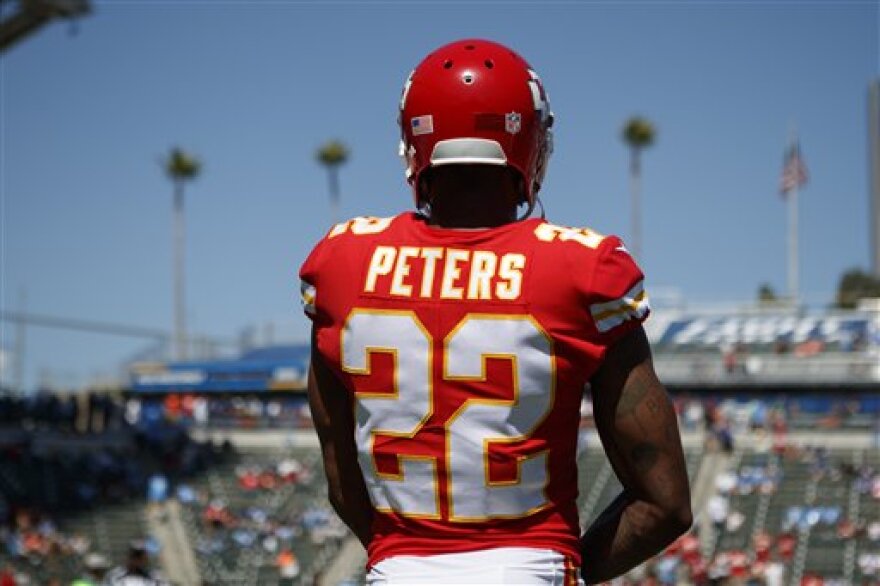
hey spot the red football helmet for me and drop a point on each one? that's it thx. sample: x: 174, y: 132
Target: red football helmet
x: 475, y: 101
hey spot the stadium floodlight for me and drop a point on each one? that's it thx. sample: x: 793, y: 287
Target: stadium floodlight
x: 32, y: 14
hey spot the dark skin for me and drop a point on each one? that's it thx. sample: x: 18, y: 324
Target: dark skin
x: 471, y: 196
x: 639, y: 431
x: 333, y: 415
x: 633, y: 413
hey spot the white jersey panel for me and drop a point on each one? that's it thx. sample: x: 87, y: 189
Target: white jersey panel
x: 474, y: 496
x: 399, y: 413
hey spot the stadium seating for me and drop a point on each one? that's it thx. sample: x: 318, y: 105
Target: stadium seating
x: 816, y: 493
x: 803, y: 492
x: 294, y: 515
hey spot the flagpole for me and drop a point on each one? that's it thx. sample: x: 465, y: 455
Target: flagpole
x: 793, y: 245
x: 793, y: 265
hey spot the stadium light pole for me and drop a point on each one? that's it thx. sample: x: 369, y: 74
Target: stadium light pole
x: 638, y: 134
x: 331, y: 156
x: 180, y: 168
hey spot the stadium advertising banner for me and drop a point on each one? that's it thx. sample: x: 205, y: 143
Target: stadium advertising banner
x: 840, y: 333
x: 278, y: 368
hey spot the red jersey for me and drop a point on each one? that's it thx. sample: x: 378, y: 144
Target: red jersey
x: 467, y: 353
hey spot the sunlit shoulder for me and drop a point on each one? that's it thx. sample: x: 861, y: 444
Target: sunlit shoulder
x: 547, y: 232
x: 360, y: 226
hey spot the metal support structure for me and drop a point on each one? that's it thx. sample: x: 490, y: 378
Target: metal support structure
x: 82, y: 325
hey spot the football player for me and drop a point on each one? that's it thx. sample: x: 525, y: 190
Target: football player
x: 452, y: 345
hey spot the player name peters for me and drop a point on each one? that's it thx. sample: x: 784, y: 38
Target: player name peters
x: 445, y: 273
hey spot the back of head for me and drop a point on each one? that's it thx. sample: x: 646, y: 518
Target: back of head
x: 475, y: 102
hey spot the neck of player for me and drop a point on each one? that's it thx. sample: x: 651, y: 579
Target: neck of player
x: 471, y: 196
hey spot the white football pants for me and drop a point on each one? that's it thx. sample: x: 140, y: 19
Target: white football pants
x: 503, y: 565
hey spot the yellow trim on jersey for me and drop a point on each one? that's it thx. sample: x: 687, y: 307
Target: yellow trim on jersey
x: 633, y: 304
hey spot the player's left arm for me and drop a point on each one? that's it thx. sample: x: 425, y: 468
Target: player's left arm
x: 639, y: 431
x: 332, y: 413
x: 636, y: 423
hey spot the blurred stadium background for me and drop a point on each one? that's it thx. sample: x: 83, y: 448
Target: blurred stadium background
x: 213, y: 460
x: 203, y: 448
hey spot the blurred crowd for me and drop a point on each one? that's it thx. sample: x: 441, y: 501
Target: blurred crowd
x: 242, y: 412
x: 43, y: 410
x: 769, y: 558
x: 684, y: 563
x: 253, y: 516
x: 724, y: 418
x: 60, y: 454
x: 100, y: 412
x: 63, y: 456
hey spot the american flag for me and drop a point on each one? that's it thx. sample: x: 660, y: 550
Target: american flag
x: 794, y: 171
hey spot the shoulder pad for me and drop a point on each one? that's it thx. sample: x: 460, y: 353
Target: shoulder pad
x: 360, y: 226
x: 547, y: 232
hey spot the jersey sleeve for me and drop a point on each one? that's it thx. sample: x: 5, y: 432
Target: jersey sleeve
x: 310, y: 276
x: 616, y: 297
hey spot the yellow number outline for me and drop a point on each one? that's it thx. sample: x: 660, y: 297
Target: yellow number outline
x: 487, y: 441
x: 547, y: 232
x: 395, y: 395
x: 360, y: 226
x: 513, y: 359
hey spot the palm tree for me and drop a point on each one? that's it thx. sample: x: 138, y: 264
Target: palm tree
x: 180, y: 167
x: 332, y: 155
x: 638, y: 133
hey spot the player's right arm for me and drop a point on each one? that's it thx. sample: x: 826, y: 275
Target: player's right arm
x: 639, y: 430
x: 333, y: 416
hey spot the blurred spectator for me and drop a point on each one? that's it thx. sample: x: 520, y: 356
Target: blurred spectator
x: 774, y: 573
x: 132, y: 411
x: 200, y: 411
x: 288, y: 566
x: 718, y: 508
x: 7, y: 576
x: 693, y: 414
x: 873, y: 530
x: 869, y: 564
x: 730, y: 359
x: 809, y: 348
x: 96, y: 567
x: 216, y: 515
x: 136, y: 571
x: 785, y: 546
x: 157, y: 490
x: 186, y: 494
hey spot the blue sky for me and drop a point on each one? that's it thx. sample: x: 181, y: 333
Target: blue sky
x: 254, y: 87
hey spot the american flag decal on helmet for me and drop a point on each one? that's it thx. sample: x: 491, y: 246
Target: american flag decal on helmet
x: 422, y: 125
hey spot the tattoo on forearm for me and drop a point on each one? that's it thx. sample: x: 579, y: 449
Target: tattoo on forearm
x: 665, y: 485
x: 644, y: 455
x: 637, y: 389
